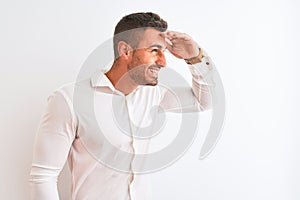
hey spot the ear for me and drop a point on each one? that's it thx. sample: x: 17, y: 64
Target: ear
x: 124, y: 49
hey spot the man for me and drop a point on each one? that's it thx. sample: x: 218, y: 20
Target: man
x: 103, y: 146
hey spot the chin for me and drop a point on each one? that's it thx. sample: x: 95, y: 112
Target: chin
x: 152, y: 83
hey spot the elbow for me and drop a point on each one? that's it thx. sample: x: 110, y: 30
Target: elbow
x: 43, y: 174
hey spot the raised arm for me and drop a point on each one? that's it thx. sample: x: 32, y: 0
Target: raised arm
x: 197, y: 98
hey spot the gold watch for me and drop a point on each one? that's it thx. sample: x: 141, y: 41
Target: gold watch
x: 196, y: 59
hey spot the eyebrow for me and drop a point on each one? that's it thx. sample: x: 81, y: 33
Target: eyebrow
x: 158, y: 46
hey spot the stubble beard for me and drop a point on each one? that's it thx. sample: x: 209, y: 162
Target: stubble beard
x: 138, y: 72
x: 138, y: 75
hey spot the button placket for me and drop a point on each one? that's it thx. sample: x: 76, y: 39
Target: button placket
x: 131, y: 175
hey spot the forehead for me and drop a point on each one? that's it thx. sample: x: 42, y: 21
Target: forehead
x: 151, y: 37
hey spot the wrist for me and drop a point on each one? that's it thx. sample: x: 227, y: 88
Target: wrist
x: 196, y: 59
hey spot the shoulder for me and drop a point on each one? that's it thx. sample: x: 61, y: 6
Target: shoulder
x: 70, y: 90
x: 63, y: 93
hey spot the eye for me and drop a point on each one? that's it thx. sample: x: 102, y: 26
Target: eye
x: 154, y: 50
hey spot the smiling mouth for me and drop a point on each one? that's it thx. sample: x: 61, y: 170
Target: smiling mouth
x: 153, y: 70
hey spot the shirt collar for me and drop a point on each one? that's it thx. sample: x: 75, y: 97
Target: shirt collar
x: 99, y: 79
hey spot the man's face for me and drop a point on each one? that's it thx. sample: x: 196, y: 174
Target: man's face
x: 147, y: 58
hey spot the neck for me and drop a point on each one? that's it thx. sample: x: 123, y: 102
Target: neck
x: 120, y: 79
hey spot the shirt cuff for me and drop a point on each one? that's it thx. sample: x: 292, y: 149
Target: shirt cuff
x: 202, y: 71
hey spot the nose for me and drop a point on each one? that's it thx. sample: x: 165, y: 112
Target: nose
x: 161, y: 59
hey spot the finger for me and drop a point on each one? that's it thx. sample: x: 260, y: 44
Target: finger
x: 174, y: 52
x: 171, y: 33
x: 174, y: 41
x: 178, y: 35
x: 172, y: 49
x: 163, y: 34
x: 169, y: 44
x: 166, y: 35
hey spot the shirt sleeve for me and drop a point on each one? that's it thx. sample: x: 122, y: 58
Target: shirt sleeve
x: 195, y: 98
x: 53, y: 141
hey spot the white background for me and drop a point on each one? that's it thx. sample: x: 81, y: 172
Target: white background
x: 254, y: 45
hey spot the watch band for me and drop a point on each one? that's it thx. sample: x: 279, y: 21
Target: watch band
x: 196, y: 59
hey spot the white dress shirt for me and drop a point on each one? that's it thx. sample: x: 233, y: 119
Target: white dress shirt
x: 101, y: 132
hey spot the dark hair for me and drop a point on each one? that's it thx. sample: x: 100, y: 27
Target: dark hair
x: 130, y: 27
